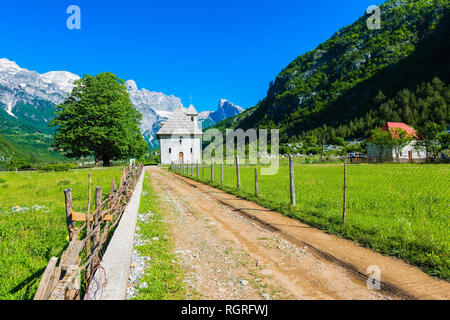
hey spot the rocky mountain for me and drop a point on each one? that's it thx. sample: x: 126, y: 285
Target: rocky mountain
x: 363, y: 77
x: 30, y: 96
x: 225, y: 110
x: 155, y: 108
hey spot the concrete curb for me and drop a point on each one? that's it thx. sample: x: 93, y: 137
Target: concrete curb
x: 111, y: 279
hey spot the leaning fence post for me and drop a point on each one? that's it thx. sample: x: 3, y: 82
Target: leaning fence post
x: 292, y: 181
x: 212, y: 170
x: 238, y: 173
x: 345, y: 190
x: 256, y: 181
x: 69, y: 207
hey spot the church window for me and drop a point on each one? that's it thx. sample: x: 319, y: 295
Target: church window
x: 192, y: 119
x: 191, y: 150
x: 170, y: 150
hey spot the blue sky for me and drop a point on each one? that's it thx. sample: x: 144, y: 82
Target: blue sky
x: 207, y: 49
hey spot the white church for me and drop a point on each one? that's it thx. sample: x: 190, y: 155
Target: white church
x: 180, y: 138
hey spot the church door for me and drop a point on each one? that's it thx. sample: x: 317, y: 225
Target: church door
x: 180, y: 156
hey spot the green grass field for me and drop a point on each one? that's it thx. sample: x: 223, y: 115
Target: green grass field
x: 163, y: 277
x: 36, y: 230
x: 396, y: 209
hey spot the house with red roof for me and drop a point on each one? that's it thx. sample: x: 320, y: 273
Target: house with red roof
x: 410, y: 153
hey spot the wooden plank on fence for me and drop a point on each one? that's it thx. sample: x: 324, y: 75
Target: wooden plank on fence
x: 76, y: 216
x: 70, y: 281
x: 72, y: 255
x: 46, y: 280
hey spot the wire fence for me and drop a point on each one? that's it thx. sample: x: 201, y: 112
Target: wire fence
x: 78, y: 263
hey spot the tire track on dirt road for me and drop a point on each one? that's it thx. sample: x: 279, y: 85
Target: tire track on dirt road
x: 228, y: 256
x: 398, y: 278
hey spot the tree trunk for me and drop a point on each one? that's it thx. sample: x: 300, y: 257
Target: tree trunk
x: 106, y: 161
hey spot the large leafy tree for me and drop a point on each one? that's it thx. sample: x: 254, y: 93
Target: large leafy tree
x: 436, y: 139
x: 382, y: 139
x: 98, y: 119
x: 400, y: 139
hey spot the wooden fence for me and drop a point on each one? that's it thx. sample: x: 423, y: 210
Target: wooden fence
x: 183, y: 169
x: 82, y: 257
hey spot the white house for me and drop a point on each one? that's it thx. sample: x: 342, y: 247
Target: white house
x: 180, y: 137
x: 410, y: 153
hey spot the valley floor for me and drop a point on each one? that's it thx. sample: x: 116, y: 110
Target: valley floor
x: 231, y: 248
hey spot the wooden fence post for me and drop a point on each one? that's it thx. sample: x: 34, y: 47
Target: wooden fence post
x: 98, y: 201
x: 88, y: 225
x: 292, y: 180
x: 256, y: 182
x: 238, y: 173
x: 212, y: 170
x: 113, y: 186
x: 345, y: 191
x: 69, y: 208
x: 221, y: 173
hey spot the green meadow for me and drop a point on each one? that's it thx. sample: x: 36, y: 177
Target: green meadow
x: 396, y: 209
x: 32, y: 222
x: 163, y: 277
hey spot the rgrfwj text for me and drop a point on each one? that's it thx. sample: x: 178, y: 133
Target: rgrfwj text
x: 239, y: 309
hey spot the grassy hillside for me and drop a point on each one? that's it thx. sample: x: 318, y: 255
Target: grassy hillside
x: 26, y: 140
x: 361, y: 78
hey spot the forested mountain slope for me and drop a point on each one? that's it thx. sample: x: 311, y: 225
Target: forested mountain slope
x: 361, y: 78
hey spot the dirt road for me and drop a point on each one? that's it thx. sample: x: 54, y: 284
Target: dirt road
x: 230, y: 248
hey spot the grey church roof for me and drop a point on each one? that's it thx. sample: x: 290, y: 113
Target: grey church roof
x: 179, y: 123
x: 191, y: 111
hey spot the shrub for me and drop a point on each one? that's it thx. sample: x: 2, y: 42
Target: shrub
x: 58, y: 167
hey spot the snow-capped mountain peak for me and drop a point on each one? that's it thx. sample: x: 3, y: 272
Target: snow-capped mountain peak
x: 63, y: 79
x: 131, y: 85
x: 7, y: 66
